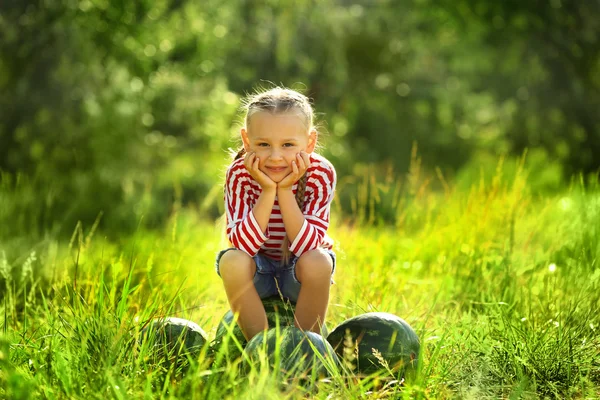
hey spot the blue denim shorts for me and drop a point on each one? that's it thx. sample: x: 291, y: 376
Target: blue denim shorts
x: 272, y: 278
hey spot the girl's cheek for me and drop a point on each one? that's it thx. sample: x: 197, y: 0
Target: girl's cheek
x: 261, y: 154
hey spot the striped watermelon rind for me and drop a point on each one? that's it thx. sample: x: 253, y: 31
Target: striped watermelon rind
x: 395, y: 340
x: 172, y: 336
x: 301, y: 353
x: 229, y: 340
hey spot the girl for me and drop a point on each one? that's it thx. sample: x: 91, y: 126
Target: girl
x: 278, y: 194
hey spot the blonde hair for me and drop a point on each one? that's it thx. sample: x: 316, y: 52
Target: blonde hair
x: 280, y: 100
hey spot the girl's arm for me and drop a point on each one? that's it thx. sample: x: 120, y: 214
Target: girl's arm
x: 264, y: 204
x: 263, y: 207
x: 306, y: 230
x: 293, y: 219
x: 247, y: 220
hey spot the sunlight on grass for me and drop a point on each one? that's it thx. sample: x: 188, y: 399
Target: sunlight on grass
x: 501, y: 285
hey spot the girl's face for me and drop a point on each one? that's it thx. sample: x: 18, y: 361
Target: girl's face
x: 276, y: 139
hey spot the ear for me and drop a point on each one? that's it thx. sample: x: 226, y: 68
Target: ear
x: 245, y: 139
x: 312, y: 141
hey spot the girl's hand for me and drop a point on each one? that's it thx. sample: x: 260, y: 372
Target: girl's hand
x: 251, y: 164
x: 299, y: 167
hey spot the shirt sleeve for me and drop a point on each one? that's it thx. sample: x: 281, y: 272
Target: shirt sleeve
x: 243, y: 231
x: 322, y: 181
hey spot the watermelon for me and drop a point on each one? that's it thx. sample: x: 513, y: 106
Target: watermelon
x: 292, y: 351
x: 392, y: 337
x: 279, y: 312
x: 173, y: 337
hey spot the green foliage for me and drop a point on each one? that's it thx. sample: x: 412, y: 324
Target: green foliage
x: 115, y: 120
x: 500, y: 284
x: 109, y: 124
x: 127, y: 108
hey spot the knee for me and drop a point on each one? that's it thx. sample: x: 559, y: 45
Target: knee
x: 314, y: 266
x: 235, y: 265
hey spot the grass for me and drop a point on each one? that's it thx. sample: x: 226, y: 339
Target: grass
x: 501, y: 285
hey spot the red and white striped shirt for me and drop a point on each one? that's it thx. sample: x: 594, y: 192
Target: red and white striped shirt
x: 243, y: 231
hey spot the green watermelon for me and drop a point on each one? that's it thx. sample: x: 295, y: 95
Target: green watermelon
x: 174, y: 337
x: 395, y: 340
x: 292, y: 351
x: 279, y: 312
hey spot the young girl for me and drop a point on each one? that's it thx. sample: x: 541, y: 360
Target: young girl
x: 278, y: 194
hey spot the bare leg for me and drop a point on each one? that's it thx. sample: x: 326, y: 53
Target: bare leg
x: 237, y: 271
x: 313, y: 270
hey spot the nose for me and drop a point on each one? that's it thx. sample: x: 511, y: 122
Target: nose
x: 275, y: 154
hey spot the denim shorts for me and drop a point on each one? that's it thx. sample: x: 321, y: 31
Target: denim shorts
x: 272, y: 278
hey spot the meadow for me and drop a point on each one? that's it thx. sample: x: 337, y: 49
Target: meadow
x: 502, y: 285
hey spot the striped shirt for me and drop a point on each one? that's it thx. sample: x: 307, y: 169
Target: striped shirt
x: 243, y: 231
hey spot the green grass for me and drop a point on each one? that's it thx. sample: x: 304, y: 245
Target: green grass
x: 502, y: 286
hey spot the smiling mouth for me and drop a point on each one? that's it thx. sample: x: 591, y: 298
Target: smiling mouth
x: 276, y: 169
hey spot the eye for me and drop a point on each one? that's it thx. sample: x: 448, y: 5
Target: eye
x: 288, y: 145
x: 262, y: 144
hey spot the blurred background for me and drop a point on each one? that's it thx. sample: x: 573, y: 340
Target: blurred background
x: 122, y: 111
